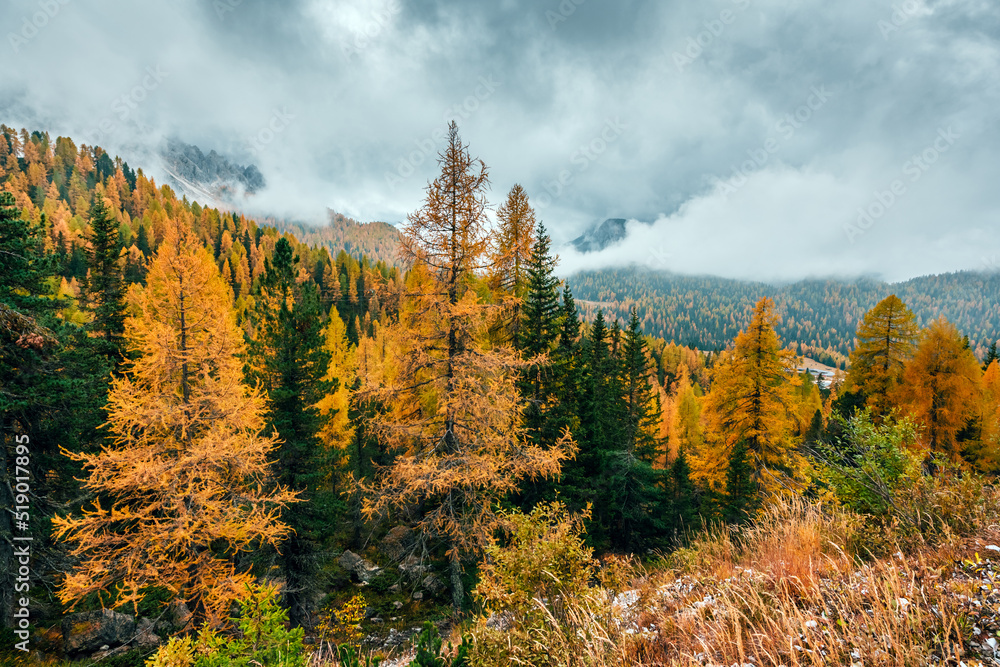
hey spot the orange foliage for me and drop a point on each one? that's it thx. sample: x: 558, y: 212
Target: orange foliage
x: 187, y: 472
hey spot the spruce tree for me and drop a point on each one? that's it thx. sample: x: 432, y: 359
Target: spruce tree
x: 684, y: 505
x: 742, y: 492
x: 106, y: 286
x: 287, y: 358
x: 537, y: 333
x: 991, y: 356
x: 46, y: 364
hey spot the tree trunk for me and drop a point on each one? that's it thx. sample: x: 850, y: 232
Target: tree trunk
x: 457, y: 592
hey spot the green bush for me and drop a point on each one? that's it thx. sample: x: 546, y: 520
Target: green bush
x: 540, y: 608
x: 262, y: 639
x: 868, y: 464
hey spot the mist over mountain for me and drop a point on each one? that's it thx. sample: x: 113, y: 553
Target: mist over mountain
x: 211, y: 177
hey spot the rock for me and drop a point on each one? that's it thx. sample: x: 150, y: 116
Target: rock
x: 398, y: 542
x: 395, y: 588
x: 397, y: 604
x: 145, y: 634
x: 92, y: 630
x: 412, y: 568
x: 433, y: 584
x: 418, y: 595
x: 179, y: 615
x: 362, y: 569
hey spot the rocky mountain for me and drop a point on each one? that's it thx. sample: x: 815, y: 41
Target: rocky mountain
x: 606, y: 234
x: 208, y: 178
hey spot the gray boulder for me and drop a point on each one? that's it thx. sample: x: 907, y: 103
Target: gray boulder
x: 91, y: 630
x: 362, y: 569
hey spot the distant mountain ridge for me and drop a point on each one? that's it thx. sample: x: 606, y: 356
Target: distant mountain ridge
x: 375, y: 240
x: 707, y: 312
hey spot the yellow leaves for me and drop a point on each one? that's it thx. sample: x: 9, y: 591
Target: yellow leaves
x: 185, y: 469
x: 752, y: 400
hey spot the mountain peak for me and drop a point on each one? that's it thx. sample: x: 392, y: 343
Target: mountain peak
x: 598, y: 238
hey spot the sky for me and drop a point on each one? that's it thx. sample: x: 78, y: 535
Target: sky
x: 759, y: 139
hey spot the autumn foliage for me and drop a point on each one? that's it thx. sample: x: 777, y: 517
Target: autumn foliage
x: 183, y: 485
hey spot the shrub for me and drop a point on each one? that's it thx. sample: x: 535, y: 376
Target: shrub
x: 868, y: 464
x: 261, y: 639
x: 538, y: 592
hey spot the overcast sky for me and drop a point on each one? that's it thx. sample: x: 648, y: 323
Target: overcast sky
x: 750, y: 133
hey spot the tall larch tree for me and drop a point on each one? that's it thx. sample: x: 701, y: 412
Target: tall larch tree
x: 449, y: 405
x: 106, y: 286
x: 510, y: 255
x: 941, y: 387
x: 288, y: 361
x: 751, y: 401
x: 885, y: 342
x: 337, y: 430
x: 987, y: 455
x: 187, y: 472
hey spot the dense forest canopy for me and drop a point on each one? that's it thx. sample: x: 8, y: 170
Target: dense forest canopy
x: 819, y: 315
x: 221, y: 411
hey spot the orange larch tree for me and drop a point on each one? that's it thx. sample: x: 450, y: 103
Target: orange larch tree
x: 751, y: 401
x: 443, y: 398
x: 942, y: 385
x: 187, y: 473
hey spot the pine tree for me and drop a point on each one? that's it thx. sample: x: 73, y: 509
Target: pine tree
x: 885, y: 341
x: 448, y: 404
x: 288, y: 361
x: 106, y: 286
x: 186, y: 472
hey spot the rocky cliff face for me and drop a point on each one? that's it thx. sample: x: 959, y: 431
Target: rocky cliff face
x: 208, y: 176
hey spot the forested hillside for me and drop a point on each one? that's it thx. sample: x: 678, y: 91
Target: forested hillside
x: 379, y: 241
x: 820, y: 315
x: 225, y: 445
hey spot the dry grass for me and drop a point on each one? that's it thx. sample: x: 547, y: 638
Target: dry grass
x: 788, y: 592
x: 801, y: 586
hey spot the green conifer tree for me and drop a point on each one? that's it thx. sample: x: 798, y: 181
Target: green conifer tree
x: 106, y: 286
x: 288, y: 359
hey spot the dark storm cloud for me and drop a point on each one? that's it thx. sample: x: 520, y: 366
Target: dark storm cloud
x: 759, y: 137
